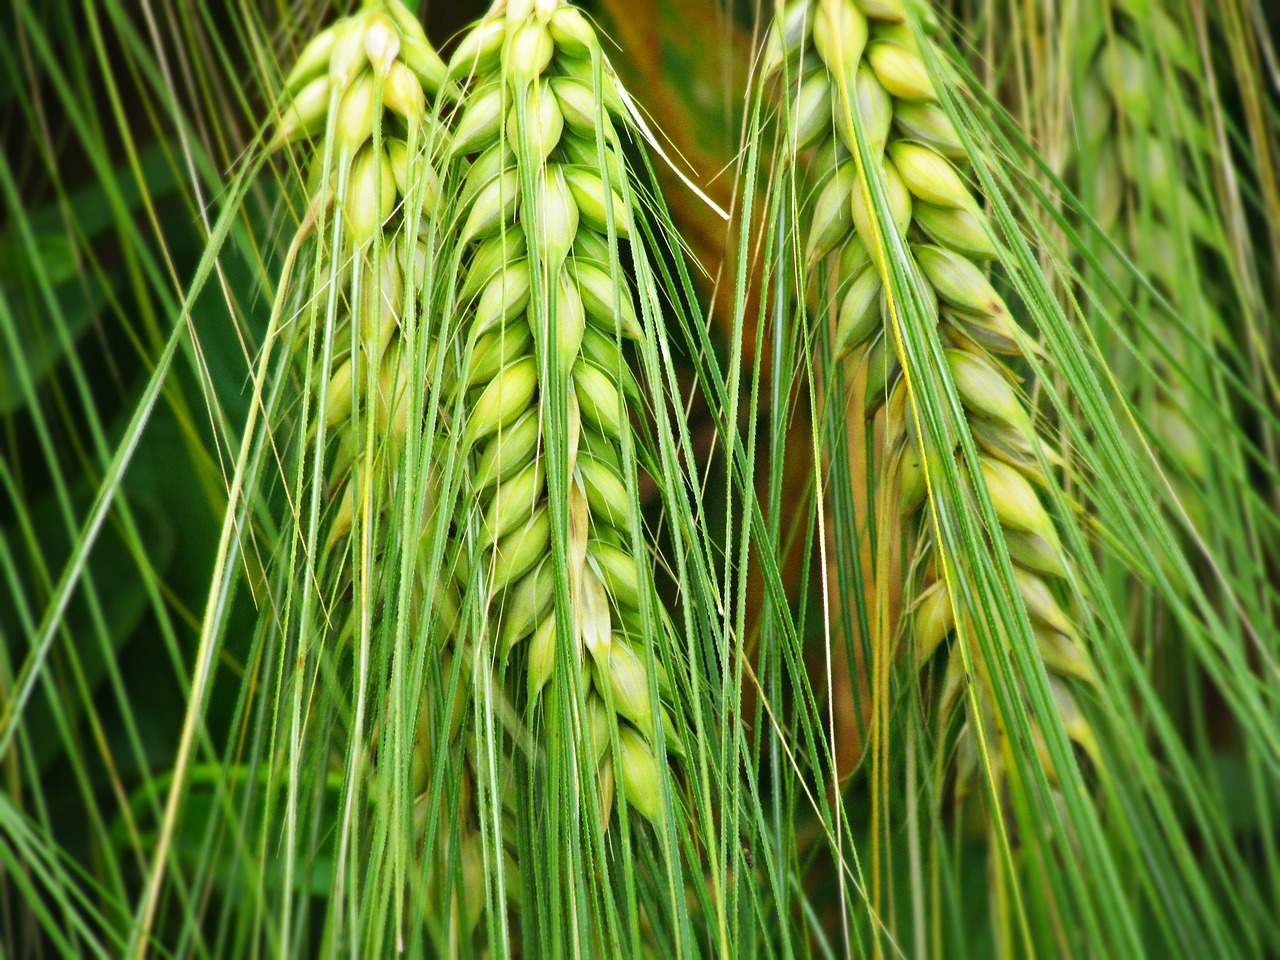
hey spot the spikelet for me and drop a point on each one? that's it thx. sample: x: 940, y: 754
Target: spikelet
x: 376, y: 177
x: 886, y: 91
x: 543, y: 312
x: 514, y: 192
x: 439, y: 742
x: 372, y: 190
x: 1125, y: 166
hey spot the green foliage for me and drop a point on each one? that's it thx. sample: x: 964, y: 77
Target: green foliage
x: 209, y: 703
